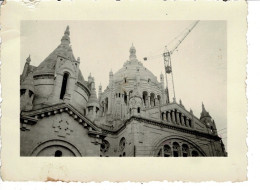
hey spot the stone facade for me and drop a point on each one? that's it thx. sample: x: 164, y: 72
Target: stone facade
x: 61, y: 114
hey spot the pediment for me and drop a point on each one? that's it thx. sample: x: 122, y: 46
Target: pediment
x: 32, y: 117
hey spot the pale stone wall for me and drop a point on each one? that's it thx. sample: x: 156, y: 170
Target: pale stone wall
x: 67, y: 134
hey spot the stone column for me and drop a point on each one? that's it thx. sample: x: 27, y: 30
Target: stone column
x: 164, y: 117
x: 148, y: 102
x: 173, y: 117
x: 169, y: 116
x: 162, y: 151
x: 182, y: 119
x: 156, y: 102
x: 188, y: 122
x: 177, y: 117
x: 181, y: 150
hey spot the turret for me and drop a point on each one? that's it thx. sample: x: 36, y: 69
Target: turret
x: 25, y: 68
x: 90, y: 78
x: 27, y: 93
x: 208, y: 121
x: 99, y: 91
x: 92, y: 104
x: 110, y: 75
x: 132, y: 51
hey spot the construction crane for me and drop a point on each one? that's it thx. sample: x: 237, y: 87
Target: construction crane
x: 167, y: 59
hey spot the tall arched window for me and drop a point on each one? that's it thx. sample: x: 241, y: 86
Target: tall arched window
x: 185, y: 150
x: 64, y: 85
x: 176, y: 149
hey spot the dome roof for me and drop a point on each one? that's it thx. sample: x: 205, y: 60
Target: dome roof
x: 132, y: 67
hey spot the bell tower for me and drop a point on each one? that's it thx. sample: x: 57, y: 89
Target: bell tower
x: 208, y: 121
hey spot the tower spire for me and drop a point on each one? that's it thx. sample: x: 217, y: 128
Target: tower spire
x: 66, y: 37
x: 28, y: 60
x: 204, y: 112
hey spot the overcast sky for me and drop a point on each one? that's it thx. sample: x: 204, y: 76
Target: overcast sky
x: 199, y: 65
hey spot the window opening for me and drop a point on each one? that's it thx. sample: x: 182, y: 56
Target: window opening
x: 64, y: 85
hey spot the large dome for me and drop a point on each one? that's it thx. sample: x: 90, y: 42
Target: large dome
x: 132, y: 67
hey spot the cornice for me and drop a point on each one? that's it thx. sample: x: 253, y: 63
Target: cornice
x: 163, y: 125
x: 38, y: 114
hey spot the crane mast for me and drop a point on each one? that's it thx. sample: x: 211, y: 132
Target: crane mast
x: 170, y: 91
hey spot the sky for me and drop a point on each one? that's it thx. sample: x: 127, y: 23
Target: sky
x: 199, y: 64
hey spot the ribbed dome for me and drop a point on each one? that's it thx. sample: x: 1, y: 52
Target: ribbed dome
x: 132, y: 67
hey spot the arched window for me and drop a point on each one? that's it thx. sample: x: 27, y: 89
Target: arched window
x: 166, y: 151
x: 145, y: 97
x: 125, y: 97
x: 159, y: 99
x: 138, y: 110
x: 64, y: 85
x: 152, y: 100
x: 176, y: 149
x: 185, y: 150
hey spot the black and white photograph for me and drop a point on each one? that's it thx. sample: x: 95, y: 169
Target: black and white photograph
x: 123, y: 88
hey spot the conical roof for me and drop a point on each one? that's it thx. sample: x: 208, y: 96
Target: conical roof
x: 93, y: 101
x: 47, y: 66
x: 64, y: 50
x: 28, y: 83
x: 204, y: 112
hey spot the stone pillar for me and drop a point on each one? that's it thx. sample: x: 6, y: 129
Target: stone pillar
x: 57, y: 87
x: 181, y: 150
x: 164, y: 116
x: 169, y: 116
x: 177, y: 117
x: 182, y: 119
x: 192, y: 122
x: 188, y: 122
x: 162, y: 151
x: 173, y: 117
x: 148, y: 102
x: 69, y: 89
x: 156, y: 102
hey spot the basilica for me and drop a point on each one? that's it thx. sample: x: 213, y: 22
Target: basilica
x: 62, y: 114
